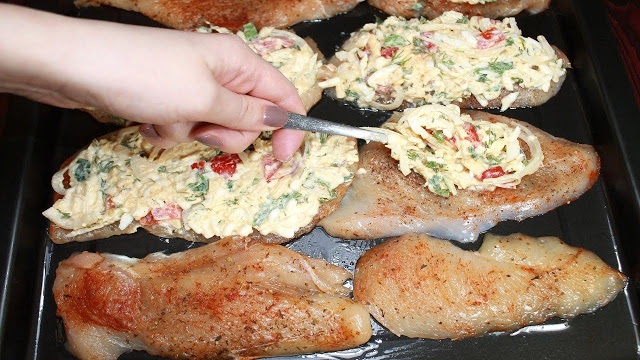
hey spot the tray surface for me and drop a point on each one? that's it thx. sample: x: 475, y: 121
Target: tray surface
x: 608, y: 333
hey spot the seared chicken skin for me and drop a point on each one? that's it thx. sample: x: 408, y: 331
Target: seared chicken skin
x: 232, y: 14
x: 420, y: 286
x: 230, y: 299
x: 382, y: 202
x: 434, y: 8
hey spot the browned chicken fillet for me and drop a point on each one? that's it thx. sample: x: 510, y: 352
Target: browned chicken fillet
x: 383, y: 202
x: 232, y: 14
x: 434, y: 8
x: 225, y: 300
x: 419, y: 286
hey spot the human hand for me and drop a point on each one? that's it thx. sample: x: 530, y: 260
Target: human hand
x: 184, y: 85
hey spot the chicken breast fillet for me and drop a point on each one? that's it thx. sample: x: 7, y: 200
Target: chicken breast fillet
x: 382, y: 202
x: 225, y: 300
x: 419, y: 286
x: 434, y: 8
x: 232, y: 14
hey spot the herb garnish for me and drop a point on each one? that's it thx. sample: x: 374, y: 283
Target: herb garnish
x: 83, y: 170
x: 250, y: 31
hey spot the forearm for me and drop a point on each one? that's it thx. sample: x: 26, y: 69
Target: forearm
x: 33, y: 46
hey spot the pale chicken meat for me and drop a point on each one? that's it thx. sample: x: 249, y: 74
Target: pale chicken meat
x: 232, y: 14
x: 382, y: 202
x: 419, y: 286
x: 231, y: 299
x: 433, y: 8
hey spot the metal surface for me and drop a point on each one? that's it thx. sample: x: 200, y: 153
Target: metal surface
x: 308, y: 123
x: 592, y: 107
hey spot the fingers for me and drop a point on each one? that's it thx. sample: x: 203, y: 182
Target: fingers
x: 215, y: 136
x: 286, y: 142
x: 244, y: 72
x: 225, y: 139
x: 150, y: 134
x: 244, y: 112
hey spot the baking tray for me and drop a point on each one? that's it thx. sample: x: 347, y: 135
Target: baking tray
x: 595, y: 106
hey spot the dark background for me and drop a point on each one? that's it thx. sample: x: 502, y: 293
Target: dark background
x: 620, y: 174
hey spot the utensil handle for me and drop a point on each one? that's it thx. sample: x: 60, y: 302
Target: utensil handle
x: 307, y: 123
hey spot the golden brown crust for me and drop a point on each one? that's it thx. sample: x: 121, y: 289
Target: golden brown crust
x: 59, y: 235
x: 232, y: 14
x: 435, y: 8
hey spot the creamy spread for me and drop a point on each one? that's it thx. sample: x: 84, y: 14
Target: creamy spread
x: 443, y: 60
x: 453, y: 151
x: 197, y: 188
x: 283, y: 49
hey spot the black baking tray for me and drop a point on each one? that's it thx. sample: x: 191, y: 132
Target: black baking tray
x: 595, y: 106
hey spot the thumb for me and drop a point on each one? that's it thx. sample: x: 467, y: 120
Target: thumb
x: 245, y: 112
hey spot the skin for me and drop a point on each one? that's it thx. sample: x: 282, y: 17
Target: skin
x: 186, y: 86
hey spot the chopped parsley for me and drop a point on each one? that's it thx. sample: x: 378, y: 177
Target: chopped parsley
x: 394, y: 40
x: 435, y: 166
x: 417, y: 6
x: 201, y: 186
x: 129, y: 143
x: 510, y: 41
x: 250, y: 31
x: 439, y: 136
x: 105, y: 166
x: 412, y: 155
x: 332, y: 193
x: 473, y: 152
x: 229, y: 185
x: 436, y: 188
x: 118, y: 120
x: 419, y: 46
x: 162, y: 169
x: 517, y: 80
x: 351, y: 93
x: 448, y: 63
x: 83, y: 170
x: 267, y: 207
x: 492, y: 160
x: 500, y: 66
x: 463, y: 20
x: 492, y: 138
x: 64, y: 215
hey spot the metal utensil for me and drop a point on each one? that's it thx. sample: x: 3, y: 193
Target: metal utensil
x: 301, y: 122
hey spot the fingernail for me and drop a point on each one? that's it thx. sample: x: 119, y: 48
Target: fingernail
x: 210, y: 141
x: 274, y: 116
x: 149, y: 131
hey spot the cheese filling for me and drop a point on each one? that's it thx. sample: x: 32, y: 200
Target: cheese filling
x: 452, y: 151
x: 197, y: 188
x: 283, y: 49
x: 440, y: 61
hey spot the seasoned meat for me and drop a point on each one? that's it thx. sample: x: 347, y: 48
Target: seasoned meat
x: 382, y: 202
x: 434, y: 8
x: 232, y: 14
x: 231, y: 299
x: 418, y: 286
